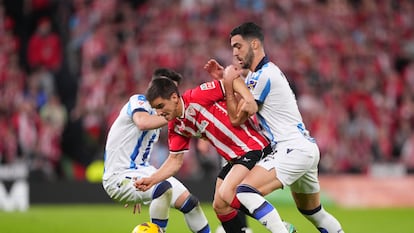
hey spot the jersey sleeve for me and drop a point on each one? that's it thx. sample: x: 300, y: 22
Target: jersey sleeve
x: 259, y: 85
x: 138, y: 103
x: 208, y: 92
x: 177, y: 142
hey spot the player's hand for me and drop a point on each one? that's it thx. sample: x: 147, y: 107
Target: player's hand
x: 231, y: 72
x: 214, y: 69
x: 137, y: 208
x: 244, y: 72
x: 143, y: 184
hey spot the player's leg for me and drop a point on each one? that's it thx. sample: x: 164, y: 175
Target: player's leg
x: 227, y: 189
x: 121, y: 188
x: 158, y: 197
x: 305, y: 191
x: 309, y: 206
x: 160, y: 205
x: 234, y: 174
x: 229, y: 217
x: 189, y: 205
x: 249, y: 193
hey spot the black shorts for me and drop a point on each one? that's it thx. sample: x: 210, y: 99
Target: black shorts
x: 248, y: 160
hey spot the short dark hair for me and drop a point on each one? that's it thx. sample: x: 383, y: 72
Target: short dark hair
x: 168, y: 73
x: 248, y: 30
x: 161, y: 87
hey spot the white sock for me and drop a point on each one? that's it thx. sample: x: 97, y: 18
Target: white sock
x: 194, y: 215
x: 261, y: 209
x: 160, y: 208
x: 322, y: 220
x: 196, y: 220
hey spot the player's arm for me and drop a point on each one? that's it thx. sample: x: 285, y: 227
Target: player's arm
x: 242, y: 106
x: 171, y: 166
x: 144, y: 121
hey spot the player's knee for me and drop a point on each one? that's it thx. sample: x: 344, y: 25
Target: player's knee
x: 310, y: 212
x: 226, y: 194
x: 218, y: 205
x: 189, y: 204
x: 244, y: 188
x: 161, y: 188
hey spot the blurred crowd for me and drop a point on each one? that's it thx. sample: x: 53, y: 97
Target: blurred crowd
x: 66, y: 68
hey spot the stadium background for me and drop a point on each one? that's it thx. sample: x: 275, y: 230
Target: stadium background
x: 66, y: 67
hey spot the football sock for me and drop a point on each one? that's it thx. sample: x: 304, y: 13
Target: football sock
x: 194, y: 215
x: 243, y: 218
x: 260, y: 209
x: 243, y: 211
x: 160, y: 204
x: 231, y: 222
x: 322, y: 220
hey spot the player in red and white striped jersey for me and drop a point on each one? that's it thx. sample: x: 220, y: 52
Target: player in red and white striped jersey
x: 201, y: 112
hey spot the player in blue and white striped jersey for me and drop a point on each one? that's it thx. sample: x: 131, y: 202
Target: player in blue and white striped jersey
x: 128, y: 149
x: 294, y: 162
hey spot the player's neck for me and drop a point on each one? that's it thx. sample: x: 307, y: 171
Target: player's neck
x: 180, y: 108
x: 256, y: 61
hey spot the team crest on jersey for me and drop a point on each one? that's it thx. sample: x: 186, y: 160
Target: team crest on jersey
x: 191, y: 111
x: 207, y: 86
x: 251, y: 83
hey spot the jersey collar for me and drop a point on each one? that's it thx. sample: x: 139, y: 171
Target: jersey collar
x: 261, y: 63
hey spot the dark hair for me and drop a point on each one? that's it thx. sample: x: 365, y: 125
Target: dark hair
x: 248, y: 30
x: 167, y: 73
x: 161, y: 87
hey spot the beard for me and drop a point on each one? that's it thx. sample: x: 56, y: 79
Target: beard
x: 248, y: 60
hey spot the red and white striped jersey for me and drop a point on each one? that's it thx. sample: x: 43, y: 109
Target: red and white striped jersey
x: 205, y: 116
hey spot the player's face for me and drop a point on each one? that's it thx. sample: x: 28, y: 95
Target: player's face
x: 242, y: 51
x: 167, y: 108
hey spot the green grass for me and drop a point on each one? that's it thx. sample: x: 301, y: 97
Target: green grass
x: 113, y: 218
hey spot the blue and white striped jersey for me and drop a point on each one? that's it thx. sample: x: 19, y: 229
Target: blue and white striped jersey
x: 128, y: 147
x: 278, y: 113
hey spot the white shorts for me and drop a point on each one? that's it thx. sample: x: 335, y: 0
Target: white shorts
x: 296, y: 164
x: 120, y: 187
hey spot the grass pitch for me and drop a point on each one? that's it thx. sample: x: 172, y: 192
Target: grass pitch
x: 114, y: 218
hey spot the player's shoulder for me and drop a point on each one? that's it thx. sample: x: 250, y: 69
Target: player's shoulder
x: 270, y: 68
x: 271, y: 72
x: 138, y: 97
x: 138, y: 101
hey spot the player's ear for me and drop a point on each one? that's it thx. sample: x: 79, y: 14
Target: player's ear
x: 174, y: 96
x: 255, y: 44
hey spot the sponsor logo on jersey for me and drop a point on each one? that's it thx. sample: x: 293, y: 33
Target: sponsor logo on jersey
x: 141, y: 97
x: 207, y: 86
